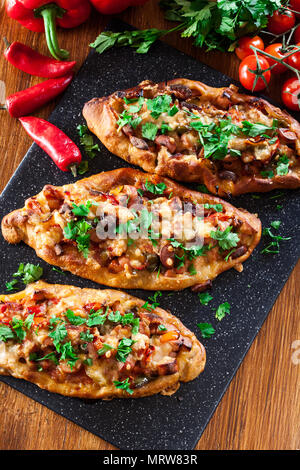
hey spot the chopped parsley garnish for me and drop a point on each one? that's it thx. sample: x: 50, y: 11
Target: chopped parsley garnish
x: 222, y: 311
x: 165, y: 128
x: 67, y: 352
x: 192, y: 270
x: 282, y: 167
x: 87, y: 141
x: 58, y: 335
x: 225, y: 238
x: 206, y: 329
x: 161, y: 328
x: 172, y: 111
x: 159, y: 105
x: 215, y: 138
x: 257, y: 129
x: 78, y: 230
x: 274, y: 246
x: 26, y: 273
x: 96, y: 318
x: 86, y: 336
x: 136, y: 107
x: 123, y: 385
x: 191, y: 252
x: 152, y: 306
x: 267, y: 173
x: 74, y: 319
x: 126, y: 118
x: 149, y: 130
x: 276, y: 224
x: 126, y: 319
x: 6, y: 333
x: 158, y: 188
x: 215, y: 207
x: 106, y: 347
x: 204, y: 298
x: 82, y: 210
x: 124, y: 349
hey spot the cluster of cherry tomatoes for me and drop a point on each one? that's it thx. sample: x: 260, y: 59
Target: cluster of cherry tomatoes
x: 254, y: 70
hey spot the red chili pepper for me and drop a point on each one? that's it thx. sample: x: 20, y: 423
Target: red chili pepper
x: 34, y: 63
x: 65, y: 154
x: 42, y: 15
x: 109, y: 7
x: 29, y: 100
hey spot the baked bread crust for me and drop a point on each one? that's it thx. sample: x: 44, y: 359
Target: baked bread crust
x: 41, y: 223
x: 187, y: 356
x: 230, y: 176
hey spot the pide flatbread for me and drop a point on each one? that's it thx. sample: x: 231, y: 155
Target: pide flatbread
x: 188, y: 131
x: 158, y: 239
x: 92, y: 343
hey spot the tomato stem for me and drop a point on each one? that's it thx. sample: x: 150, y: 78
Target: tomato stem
x: 276, y: 59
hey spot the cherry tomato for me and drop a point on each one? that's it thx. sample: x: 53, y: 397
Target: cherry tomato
x: 281, y: 21
x: 294, y: 59
x: 276, y: 51
x: 247, y: 78
x: 243, y: 49
x: 297, y: 34
x: 290, y: 93
x: 295, y: 6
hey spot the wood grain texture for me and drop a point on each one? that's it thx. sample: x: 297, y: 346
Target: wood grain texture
x: 261, y: 408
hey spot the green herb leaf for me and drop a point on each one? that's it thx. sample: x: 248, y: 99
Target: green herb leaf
x: 204, y: 298
x: 74, y: 319
x: 222, y: 310
x: 283, y: 165
x: 158, y: 105
x: 6, y: 333
x: 225, y: 238
x: 106, y: 347
x: 123, y: 385
x: 206, y: 329
x: 124, y: 349
x: 158, y: 188
x: 149, y: 130
x: 87, y: 141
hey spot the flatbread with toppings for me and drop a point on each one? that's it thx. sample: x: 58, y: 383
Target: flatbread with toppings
x: 92, y: 343
x: 129, y: 229
x: 188, y: 131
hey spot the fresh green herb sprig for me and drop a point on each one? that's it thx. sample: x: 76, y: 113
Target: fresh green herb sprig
x: 274, y: 246
x: 222, y: 311
x: 212, y: 24
x: 26, y: 273
x: 123, y: 385
x: 90, y: 148
x: 206, y: 329
x: 204, y: 298
x: 226, y: 238
x: 154, y: 303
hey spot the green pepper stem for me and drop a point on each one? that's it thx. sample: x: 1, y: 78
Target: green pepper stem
x: 73, y: 169
x: 49, y: 14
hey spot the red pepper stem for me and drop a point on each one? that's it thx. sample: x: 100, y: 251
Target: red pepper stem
x: 6, y: 42
x: 49, y: 14
x: 73, y: 169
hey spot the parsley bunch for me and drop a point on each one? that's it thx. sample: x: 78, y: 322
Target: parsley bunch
x: 213, y: 24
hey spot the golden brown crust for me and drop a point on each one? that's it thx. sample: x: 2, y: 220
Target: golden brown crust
x: 190, y: 362
x: 101, y: 115
x: 21, y: 222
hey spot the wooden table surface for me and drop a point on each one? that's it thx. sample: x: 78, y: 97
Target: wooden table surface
x: 260, y: 409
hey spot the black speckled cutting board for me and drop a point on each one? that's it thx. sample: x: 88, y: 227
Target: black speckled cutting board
x: 158, y: 422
